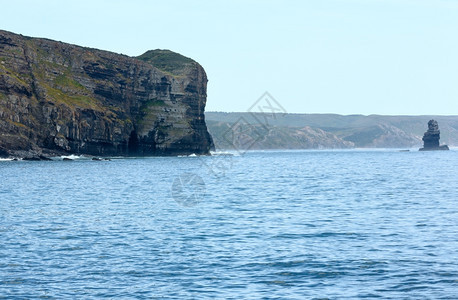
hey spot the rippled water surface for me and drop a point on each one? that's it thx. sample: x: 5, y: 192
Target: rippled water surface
x: 263, y: 225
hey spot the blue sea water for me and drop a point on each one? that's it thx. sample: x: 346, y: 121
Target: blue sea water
x: 262, y: 225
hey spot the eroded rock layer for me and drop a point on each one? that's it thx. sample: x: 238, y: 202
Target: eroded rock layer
x: 431, y: 138
x: 62, y: 98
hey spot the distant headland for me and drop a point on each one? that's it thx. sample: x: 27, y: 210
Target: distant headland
x: 328, y: 131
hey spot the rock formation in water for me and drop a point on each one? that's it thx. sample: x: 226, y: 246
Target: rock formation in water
x: 58, y: 98
x: 431, y: 138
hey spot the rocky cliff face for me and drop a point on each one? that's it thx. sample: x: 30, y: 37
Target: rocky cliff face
x: 61, y: 98
x: 380, y: 136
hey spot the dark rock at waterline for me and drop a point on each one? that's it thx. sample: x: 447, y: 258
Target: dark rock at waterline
x: 57, y: 97
x: 431, y: 138
x: 67, y: 159
x: 33, y: 158
x: 36, y: 158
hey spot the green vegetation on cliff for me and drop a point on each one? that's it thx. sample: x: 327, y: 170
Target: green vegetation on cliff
x: 168, y: 61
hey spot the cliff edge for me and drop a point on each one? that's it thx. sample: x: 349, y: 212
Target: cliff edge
x: 58, y: 98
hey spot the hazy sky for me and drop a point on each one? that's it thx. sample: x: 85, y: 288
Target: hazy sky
x: 321, y: 56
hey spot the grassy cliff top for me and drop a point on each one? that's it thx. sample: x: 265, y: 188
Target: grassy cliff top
x: 168, y: 61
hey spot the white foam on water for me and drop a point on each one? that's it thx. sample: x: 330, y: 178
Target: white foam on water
x: 218, y: 153
x: 224, y: 153
x: 74, y: 157
x: 190, y: 155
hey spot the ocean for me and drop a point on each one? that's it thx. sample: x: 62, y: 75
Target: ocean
x: 343, y: 224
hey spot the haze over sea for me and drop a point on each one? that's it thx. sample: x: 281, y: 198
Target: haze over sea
x: 262, y: 225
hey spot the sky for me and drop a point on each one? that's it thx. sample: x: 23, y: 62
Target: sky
x: 392, y: 57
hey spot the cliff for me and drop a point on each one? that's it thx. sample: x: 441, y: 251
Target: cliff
x: 59, y: 98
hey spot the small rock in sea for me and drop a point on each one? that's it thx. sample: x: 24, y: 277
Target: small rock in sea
x: 33, y: 158
x: 96, y: 158
x: 431, y: 138
x: 67, y: 159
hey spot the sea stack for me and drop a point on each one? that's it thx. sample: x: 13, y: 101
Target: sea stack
x: 431, y: 138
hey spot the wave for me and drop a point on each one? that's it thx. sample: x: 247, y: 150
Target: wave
x: 72, y: 157
x: 224, y: 153
x: 190, y: 155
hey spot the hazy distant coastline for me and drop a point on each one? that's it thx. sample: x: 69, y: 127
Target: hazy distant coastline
x: 326, y: 131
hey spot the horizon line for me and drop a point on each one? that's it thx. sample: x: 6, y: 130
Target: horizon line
x: 339, y: 114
